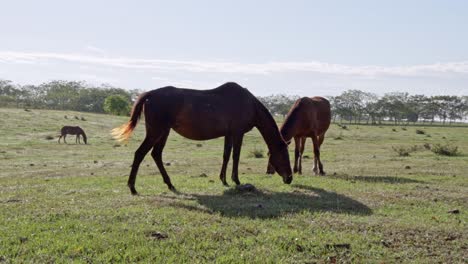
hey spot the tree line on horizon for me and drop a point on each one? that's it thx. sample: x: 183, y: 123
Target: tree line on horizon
x: 351, y: 106
x: 356, y: 106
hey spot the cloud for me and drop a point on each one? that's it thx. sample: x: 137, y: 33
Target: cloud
x: 94, y: 49
x: 194, y: 66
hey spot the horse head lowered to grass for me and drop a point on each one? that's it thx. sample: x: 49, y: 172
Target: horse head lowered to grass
x: 227, y: 111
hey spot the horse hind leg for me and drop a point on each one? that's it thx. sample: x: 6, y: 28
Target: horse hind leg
x: 317, y: 169
x: 64, y: 138
x: 321, y: 139
x: 226, y: 156
x: 140, y: 154
x: 157, y: 157
x: 59, y: 139
x: 237, y: 144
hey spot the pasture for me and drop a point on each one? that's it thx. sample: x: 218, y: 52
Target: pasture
x: 64, y: 203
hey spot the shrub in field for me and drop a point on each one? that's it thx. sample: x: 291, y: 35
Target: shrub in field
x: 49, y: 137
x: 404, y: 151
x: 393, y: 129
x: 445, y: 150
x: 420, y: 132
x: 257, y: 153
x: 427, y: 146
x: 403, y: 128
x: 339, y: 137
x: 401, y: 151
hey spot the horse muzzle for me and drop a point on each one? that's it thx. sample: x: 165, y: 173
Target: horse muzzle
x: 288, y: 179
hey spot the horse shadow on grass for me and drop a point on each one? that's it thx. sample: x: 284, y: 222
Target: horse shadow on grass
x: 266, y: 204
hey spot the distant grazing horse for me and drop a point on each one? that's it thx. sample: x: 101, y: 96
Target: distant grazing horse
x: 72, y: 130
x: 309, y: 117
x: 228, y: 111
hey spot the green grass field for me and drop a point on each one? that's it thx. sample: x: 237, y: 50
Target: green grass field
x: 70, y: 203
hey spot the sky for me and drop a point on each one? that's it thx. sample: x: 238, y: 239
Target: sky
x: 304, y: 48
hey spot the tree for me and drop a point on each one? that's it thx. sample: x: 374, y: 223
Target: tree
x: 278, y: 104
x: 117, y: 105
x: 352, y: 103
x: 62, y: 95
x: 415, y: 107
x: 9, y: 93
x: 395, y: 106
x: 456, y: 108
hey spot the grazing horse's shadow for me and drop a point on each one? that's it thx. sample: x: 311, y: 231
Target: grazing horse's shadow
x: 260, y: 204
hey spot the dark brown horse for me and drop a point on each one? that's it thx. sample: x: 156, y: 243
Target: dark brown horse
x: 228, y: 111
x: 309, y: 117
x: 72, y: 130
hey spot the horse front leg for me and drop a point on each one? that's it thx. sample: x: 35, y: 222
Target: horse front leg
x: 237, y: 144
x: 301, y: 152
x: 297, y: 143
x: 226, y: 156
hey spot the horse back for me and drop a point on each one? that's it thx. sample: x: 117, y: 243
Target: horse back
x: 315, y: 111
x: 201, y: 114
x: 72, y: 130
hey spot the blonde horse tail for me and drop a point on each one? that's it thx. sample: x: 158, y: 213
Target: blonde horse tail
x: 123, y: 132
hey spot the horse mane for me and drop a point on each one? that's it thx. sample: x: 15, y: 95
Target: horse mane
x: 264, y: 113
x: 291, y: 118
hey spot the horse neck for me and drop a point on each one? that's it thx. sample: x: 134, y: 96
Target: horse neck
x: 267, y: 127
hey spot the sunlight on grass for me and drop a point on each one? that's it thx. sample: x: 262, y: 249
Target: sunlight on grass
x: 70, y: 203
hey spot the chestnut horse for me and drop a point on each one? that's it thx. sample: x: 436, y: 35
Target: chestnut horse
x: 72, y: 130
x: 309, y: 117
x: 229, y: 110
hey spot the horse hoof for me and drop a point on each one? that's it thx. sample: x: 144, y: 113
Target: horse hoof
x: 133, y: 190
